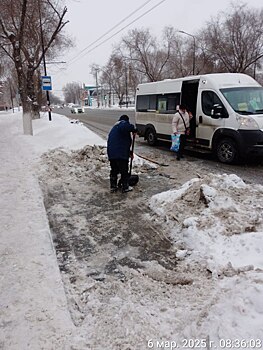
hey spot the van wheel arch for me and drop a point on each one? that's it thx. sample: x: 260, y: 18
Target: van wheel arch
x: 150, y: 135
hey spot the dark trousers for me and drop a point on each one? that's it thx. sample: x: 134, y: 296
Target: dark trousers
x: 180, y: 152
x: 119, y: 166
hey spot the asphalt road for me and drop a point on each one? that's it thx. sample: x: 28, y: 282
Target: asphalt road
x: 101, y: 120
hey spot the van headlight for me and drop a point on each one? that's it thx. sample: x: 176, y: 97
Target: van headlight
x: 247, y: 123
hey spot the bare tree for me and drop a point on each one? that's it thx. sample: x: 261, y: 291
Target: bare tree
x: 114, y: 75
x: 72, y: 93
x: 145, y: 54
x: 106, y: 78
x: 180, y: 61
x: 150, y: 60
x: 28, y: 29
x: 55, y: 100
x: 234, y: 40
x: 231, y: 42
x: 118, y: 76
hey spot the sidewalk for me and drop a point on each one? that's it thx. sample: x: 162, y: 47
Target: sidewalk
x: 33, y: 313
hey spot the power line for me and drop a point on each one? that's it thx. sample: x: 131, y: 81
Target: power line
x: 136, y: 19
x: 111, y: 29
x: 104, y: 41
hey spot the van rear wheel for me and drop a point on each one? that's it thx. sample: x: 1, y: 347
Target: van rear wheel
x: 226, y: 151
x: 151, y: 137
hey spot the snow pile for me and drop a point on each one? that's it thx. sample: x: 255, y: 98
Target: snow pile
x: 216, y: 221
x: 71, y: 135
x: 61, y: 133
x: 218, y: 217
x: 235, y: 313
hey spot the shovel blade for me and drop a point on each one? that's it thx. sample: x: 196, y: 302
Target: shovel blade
x: 133, y: 180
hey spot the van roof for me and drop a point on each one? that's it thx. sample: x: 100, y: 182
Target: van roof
x: 207, y: 81
x: 222, y: 80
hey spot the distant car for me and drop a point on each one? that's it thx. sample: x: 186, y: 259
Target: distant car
x: 77, y: 109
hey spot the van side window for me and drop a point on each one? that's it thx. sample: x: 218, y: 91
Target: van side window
x: 173, y: 102
x: 145, y: 103
x: 163, y: 103
x: 209, y: 99
x: 167, y: 103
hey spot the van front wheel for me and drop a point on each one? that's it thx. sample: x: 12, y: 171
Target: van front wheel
x: 151, y: 137
x: 226, y: 151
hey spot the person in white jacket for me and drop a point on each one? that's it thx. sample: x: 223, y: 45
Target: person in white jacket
x: 180, y: 125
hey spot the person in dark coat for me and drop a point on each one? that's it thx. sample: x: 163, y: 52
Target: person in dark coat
x: 118, y: 149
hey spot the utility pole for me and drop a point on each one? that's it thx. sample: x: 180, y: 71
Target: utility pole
x: 110, y: 97
x: 97, y: 88
x: 181, y: 31
x: 44, y: 59
x: 126, y: 84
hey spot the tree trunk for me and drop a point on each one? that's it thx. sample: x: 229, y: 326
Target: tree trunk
x: 31, y: 90
x: 26, y: 104
x: 27, y: 123
x: 27, y: 115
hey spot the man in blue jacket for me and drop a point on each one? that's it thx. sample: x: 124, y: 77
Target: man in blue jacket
x: 118, y: 148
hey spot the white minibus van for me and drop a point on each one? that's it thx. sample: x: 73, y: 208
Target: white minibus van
x: 227, y: 113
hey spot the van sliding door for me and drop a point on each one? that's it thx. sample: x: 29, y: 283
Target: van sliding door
x: 189, y: 98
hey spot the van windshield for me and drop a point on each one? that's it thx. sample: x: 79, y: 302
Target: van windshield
x: 245, y: 100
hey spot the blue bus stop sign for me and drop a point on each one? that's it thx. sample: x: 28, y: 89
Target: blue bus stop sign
x: 46, y: 83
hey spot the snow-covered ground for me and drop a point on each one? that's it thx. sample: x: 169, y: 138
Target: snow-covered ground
x: 214, y: 225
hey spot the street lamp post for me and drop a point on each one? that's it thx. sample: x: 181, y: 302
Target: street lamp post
x: 126, y: 84
x: 183, y: 32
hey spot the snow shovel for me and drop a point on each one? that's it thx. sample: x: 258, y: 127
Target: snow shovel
x: 133, y: 179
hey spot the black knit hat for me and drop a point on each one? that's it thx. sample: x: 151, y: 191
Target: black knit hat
x: 124, y: 117
x: 182, y: 106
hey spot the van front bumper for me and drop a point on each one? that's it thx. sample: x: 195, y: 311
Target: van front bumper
x: 251, y: 142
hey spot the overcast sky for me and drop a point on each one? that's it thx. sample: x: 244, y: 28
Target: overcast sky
x: 90, y: 20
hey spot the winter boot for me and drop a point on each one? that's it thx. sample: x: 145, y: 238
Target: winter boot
x: 127, y: 189
x: 113, y: 184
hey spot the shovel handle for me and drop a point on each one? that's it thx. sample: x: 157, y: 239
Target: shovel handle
x: 132, y: 149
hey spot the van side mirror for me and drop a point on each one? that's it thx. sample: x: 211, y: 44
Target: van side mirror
x: 218, y: 111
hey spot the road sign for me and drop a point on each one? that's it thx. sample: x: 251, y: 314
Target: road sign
x: 46, y: 83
